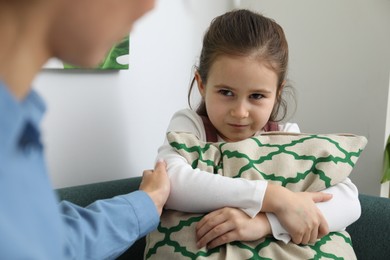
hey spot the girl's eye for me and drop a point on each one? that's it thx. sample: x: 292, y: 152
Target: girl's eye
x: 256, y: 96
x: 226, y: 92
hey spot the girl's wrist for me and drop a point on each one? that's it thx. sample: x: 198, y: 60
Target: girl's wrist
x: 265, y: 223
x: 274, y: 198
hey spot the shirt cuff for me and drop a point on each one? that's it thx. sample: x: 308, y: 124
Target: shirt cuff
x: 257, y: 200
x: 278, y: 230
x: 145, y: 211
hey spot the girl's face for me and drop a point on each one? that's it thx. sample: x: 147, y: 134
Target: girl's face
x: 240, y: 94
x: 84, y: 30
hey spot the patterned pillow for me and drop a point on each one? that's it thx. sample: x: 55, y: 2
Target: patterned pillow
x: 299, y: 162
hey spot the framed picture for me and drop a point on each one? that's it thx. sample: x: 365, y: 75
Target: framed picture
x: 116, y: 59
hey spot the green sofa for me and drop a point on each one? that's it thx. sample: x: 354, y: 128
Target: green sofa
x: 370, y: 234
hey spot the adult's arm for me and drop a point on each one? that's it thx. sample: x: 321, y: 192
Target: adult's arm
x: 106, y: 228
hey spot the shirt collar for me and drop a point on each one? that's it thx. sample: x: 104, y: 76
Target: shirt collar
x: 15, y: 114
x: 33, y: 107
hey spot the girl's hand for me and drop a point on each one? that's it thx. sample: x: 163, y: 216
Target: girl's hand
x: 230, y: 224
x: 298, y: 213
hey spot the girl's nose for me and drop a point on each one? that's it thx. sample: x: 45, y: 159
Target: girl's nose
x: 240, y: 110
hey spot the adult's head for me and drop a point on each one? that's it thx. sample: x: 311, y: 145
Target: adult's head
x: 79, y: 32
x: 83, y: 31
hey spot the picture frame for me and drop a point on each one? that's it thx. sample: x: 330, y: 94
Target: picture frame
x: 116, y: 59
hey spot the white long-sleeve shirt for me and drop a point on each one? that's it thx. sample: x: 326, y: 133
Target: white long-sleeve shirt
x: 193, y: 190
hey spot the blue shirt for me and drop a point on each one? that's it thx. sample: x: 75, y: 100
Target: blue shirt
x: 33, y: 225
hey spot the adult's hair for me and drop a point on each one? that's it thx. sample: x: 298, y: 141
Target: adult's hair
x: 246, y: 33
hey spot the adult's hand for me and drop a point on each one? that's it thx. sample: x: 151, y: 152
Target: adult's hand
x: 156, y: 184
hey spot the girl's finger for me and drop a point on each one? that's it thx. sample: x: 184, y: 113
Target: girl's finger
x: 209, y: 222
x: 217, y: 233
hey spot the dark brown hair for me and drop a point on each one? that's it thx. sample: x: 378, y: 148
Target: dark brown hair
x: 246, y: 33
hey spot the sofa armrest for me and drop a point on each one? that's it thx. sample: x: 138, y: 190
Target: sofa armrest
x: 84, y: 195
x: 370, y: 233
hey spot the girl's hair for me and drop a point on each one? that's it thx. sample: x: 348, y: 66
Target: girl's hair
x: 245, y: 33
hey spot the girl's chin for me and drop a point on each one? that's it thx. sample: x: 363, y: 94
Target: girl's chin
x: 237, y: 138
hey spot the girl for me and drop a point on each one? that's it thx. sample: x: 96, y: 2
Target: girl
x: 32, y: 224
x: 241, y: 78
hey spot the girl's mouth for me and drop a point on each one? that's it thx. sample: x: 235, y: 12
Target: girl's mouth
x: 238, y: 125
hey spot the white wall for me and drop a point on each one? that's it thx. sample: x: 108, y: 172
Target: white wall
x: 108, y: 125
x: 103, y: 126
x: 339, y: 65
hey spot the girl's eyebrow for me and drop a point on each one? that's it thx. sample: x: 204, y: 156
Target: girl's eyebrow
x: 254, y: 90
x: 223, y: 86
x: 262, y: 90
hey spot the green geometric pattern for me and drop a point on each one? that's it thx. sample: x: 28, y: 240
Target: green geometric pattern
x: 300, y: 162
x: 110, y: 62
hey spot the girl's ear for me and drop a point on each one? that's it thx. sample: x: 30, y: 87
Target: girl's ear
x: 201, y: 87
x: 280, y: 90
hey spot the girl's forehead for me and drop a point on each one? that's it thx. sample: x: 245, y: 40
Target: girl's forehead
x: 241, y: 71
x: 237, y: 63
x: 249, y: 58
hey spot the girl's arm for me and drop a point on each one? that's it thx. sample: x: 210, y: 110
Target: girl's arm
x: 193, y: 190
x: 198, y: 191
x: 228, y: 224
x: 341, y: 211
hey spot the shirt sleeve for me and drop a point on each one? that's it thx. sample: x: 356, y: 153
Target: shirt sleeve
x: 106, y: 228
x: 210, y: 190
